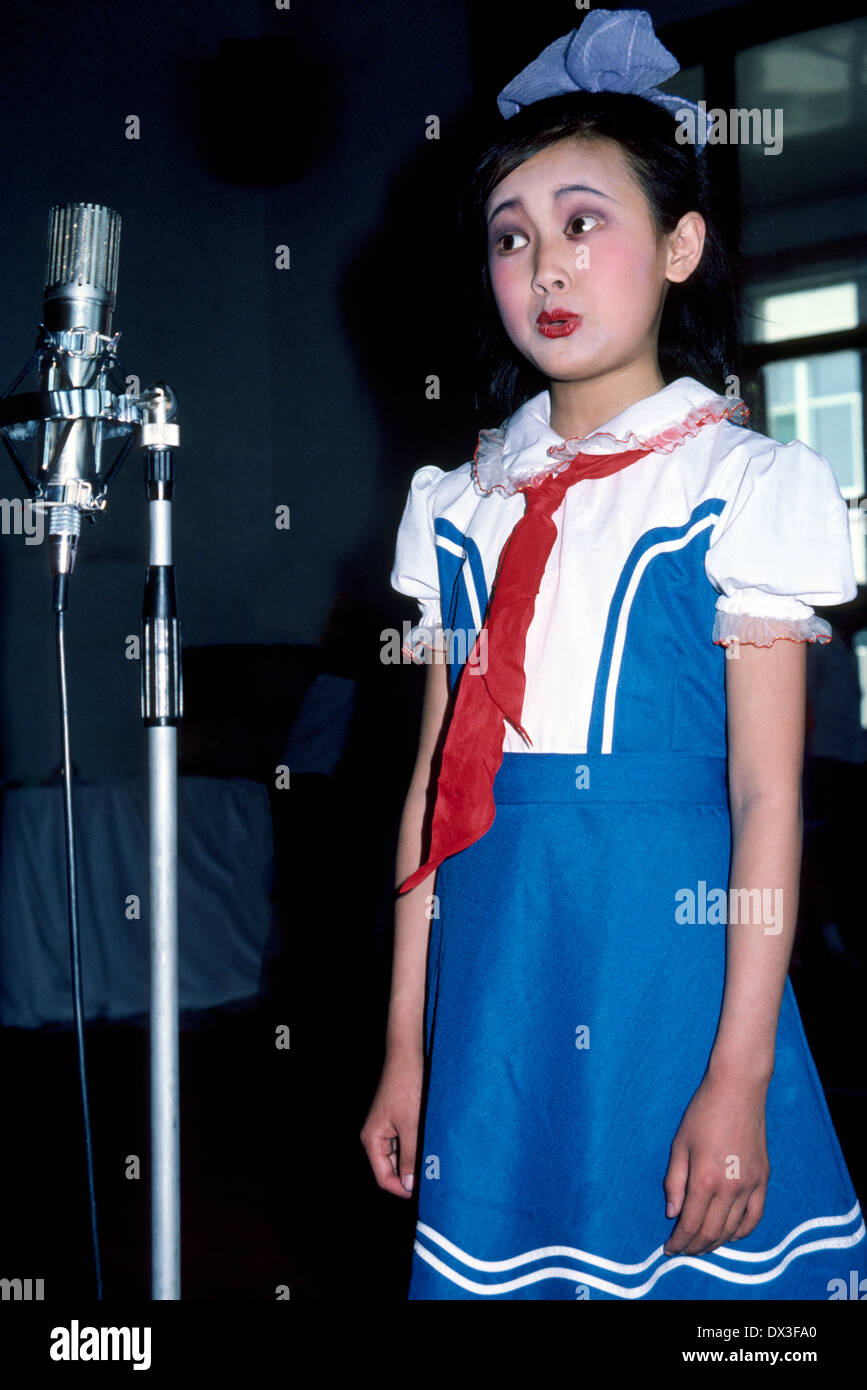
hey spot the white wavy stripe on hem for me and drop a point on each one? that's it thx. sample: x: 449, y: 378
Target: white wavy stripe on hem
x: 570, y: 1251
x: 579, y: 1276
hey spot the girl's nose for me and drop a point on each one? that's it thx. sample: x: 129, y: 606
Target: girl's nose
x: 546, y: 283
x: 552, y: 273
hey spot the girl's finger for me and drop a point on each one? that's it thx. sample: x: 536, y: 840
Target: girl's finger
x: 406, y: 1167
x: 710, y: 1230
x: 735, y: 1218
x: 691, y: 1220
x: 674, y: 1183
x: 753, y: 1213
x: 384, y: 1162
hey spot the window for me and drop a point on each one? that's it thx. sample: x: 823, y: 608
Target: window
x: 804, y: 220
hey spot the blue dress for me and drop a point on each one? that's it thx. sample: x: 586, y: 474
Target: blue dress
x: 577, y: 950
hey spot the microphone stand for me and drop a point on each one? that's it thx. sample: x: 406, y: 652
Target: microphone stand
x: 55, y: 413
x: 162, y: 707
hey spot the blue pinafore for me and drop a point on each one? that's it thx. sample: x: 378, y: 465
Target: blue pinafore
x: 576, y: 972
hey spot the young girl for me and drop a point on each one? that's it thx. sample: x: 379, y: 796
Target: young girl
x: 621, y: 1102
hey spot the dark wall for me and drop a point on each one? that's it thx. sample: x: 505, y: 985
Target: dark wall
x: 259, y: 128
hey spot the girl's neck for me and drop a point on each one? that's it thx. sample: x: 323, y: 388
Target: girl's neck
x: 580, y: 407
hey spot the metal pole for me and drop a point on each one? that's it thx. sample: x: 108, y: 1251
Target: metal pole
x: 165, y: 1082
x: 162, y: 706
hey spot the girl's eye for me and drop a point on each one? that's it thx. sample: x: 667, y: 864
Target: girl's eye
x: 508, y: 236
x: 583, y: 217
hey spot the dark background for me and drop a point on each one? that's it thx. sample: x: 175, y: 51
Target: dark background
x: 302, y: 387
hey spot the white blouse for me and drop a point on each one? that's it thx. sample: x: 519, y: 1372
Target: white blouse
x: 779, y: 537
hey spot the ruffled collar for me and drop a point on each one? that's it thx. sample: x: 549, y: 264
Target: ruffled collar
x: 525, y: 447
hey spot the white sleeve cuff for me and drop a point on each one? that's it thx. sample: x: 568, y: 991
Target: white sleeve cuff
x: 427, y: 635
x: 753, y: 616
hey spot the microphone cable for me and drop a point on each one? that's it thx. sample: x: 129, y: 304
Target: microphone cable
x: 72, y: 901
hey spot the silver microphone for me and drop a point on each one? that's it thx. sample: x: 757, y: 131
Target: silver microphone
x: 78, y: 304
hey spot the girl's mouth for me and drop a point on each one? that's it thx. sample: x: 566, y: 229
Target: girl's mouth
x: 560, y: 327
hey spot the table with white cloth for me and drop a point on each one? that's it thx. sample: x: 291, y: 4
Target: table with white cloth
x: 225, y: 879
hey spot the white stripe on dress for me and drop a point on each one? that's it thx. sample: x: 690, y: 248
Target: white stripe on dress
x: 570, y: 1251
x: 580, y: 1276
x: 455, y: 549
x: 623, y: 618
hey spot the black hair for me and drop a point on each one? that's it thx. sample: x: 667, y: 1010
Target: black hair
x: 699, y: 329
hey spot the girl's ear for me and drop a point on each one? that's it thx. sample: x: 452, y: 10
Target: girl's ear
x: 685, y: 245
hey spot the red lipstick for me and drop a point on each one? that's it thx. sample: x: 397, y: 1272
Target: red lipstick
x: 558, y: 323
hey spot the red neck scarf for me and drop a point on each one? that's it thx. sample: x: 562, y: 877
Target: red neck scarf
x: 492, y: 689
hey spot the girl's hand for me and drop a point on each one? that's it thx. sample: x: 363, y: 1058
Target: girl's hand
x: 390, y: 1132
x: 718, y: 1169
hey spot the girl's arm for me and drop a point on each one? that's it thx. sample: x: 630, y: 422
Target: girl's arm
x: 390, y: 1131
x: 765, y: 697
x: 404, y: 1031
x: 718, y: 1172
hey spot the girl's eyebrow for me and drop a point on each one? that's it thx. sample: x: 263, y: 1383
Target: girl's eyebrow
x: 567, y: 188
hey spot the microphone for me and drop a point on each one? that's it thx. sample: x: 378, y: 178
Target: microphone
x: 78, y: 353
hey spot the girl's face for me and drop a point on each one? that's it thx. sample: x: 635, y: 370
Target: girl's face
x: 577, y: 235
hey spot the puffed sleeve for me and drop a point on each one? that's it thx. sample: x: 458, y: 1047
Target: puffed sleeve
x: 780, y: 545
x: 415, y: 570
